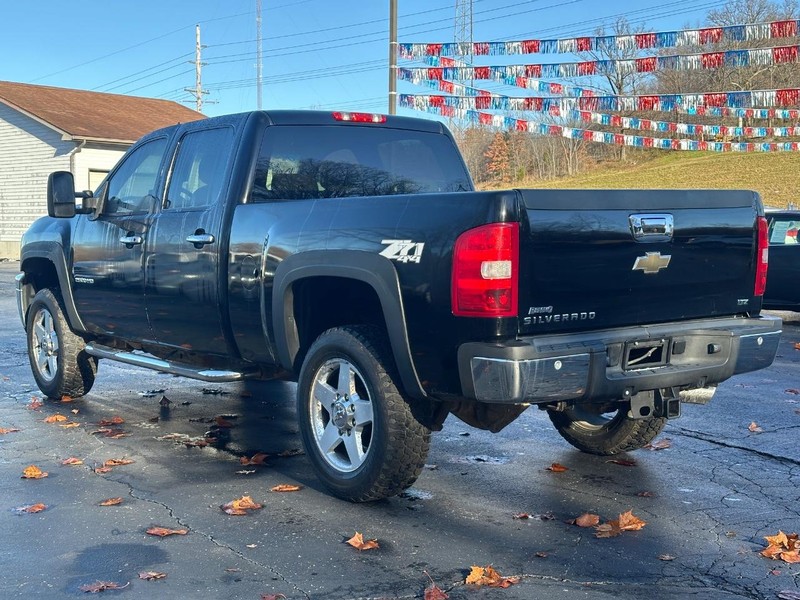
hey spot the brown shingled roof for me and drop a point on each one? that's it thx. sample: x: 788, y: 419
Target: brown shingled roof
x: 95, y: 115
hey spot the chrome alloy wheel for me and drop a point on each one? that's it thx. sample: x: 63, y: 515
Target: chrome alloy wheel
x: 45, y: 345
x: 341, y: 415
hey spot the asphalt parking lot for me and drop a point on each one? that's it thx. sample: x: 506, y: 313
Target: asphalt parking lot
x: 728, y: 475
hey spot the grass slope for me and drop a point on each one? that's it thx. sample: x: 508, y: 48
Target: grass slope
x: 776, y: 176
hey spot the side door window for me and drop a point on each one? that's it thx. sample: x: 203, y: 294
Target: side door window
x: 198, y: 175
x: 132, y: 187
x: 783, y: 231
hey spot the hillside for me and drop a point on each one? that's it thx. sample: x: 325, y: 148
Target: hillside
x: 776, y: 176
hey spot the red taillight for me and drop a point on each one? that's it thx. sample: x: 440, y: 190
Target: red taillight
x: 762, y: 256
x: 357, y: 117
x: 486, y: 271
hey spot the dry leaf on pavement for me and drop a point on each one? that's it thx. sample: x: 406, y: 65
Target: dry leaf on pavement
x: 357, y: 541
x: 102, y: 586
x: 585, y: 520
x: 489, y: 577
x: 72, y: 461
x: 164, y: 531
x: 556, y: 468
x: 33, y: 472
x: 55, y: 418
x: 5, y: 430
x: 785, y: 547
x: 117, y: 462
x: 258, y: 458
x: 151, y: 575
x: 285, y: 487
x: 661, y: 444
x: 241, y: 506
x: 623, y: 462
x: 111, y: 421
x: 111, y: 502
x: 31, y: 508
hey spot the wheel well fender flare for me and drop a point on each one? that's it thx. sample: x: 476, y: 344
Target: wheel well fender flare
x: 53, y: 254
x: 371, y: 269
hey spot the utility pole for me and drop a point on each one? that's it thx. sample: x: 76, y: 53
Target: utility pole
x: 198, y: 90
x: 392, y: 57
x: 259, y: 60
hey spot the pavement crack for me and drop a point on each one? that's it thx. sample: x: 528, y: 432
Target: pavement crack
x: 717, y: 442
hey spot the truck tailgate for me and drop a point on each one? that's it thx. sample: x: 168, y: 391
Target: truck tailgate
x: 593, y: 259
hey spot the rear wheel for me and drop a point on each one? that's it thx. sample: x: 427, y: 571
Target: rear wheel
x: 59, y: 363
x: 356, y: 428
x: 605, y: 430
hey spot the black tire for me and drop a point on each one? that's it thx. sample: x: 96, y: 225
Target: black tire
x: 358, y: 432
x: 58, y: 361
x: 592, y: 430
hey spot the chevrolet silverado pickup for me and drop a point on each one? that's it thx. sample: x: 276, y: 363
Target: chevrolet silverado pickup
x: 350, y: 253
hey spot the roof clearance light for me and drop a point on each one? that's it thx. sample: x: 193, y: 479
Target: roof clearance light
x: 357, y: 117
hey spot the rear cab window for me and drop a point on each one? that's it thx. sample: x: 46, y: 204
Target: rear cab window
x: 783, y: 230
x: 300, y: 162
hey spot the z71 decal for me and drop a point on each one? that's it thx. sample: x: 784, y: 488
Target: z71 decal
x: 403, y: 250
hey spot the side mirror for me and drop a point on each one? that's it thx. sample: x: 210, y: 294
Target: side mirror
x: 61, y: 195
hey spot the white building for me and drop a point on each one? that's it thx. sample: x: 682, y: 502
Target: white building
x: 45, y: 129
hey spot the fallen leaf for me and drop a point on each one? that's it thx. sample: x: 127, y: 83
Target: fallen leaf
x: 258, y: 459
x: 66, y: 399
x: 522, y: 516
x: 75, y: 411
x: 586, y: 520
x: 102, y: 586
x: 164, y: 531
x: 541, y: 554
x: 232, y: 570
x: 72, y: 461
x: 117, y: 462
x: 101, y: 470
x: 196, y: 443
x: 623, y: 462
x: 151, y: 575
x: 753, y: 427
x: 629, y: 522
x: 666, y: 557
x: 792, y: 391
x: 357, y: 541
x: 110, y: 432
x: 111, y: 502
x: 646, y: 494
x: 783, y: 546
x: 252, y: 545
x: 34, y: 404
x: 607, y: 530
x: 33, y: 472
x: 69, y: 425
x: 31, y: 508
x: 285, y: 487
x: 272, y: 596
x: 489, y: 577
x: 556, y: 468
x: 434, y: 592
x: 661, y: 444
x: 797, y: 346
x: 5, y: 430
x: 241, y: 506
x: 111, y: 421
x: 55, y: 418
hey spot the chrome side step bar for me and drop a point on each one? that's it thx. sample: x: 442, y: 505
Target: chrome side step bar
x: 140, y: 359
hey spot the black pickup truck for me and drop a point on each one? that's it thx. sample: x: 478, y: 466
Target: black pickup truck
x: 350, y: 253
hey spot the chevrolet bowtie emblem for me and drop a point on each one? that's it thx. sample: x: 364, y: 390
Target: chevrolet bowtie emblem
x: 651, y: 262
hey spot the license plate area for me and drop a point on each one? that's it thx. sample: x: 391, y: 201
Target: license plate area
x: 645, y: 354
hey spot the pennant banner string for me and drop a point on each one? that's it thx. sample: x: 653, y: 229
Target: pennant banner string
x: 687, y: 62
x: 636, y: 41
x: 569, y: 109
x: 618, y: 139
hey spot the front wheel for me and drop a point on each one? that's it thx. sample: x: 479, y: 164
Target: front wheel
x: 605, y: 430
x: 59, y: 363
x: 357, y: 429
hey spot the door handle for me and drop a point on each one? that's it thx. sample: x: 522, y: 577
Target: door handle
x: 200, y: 239
x: 131, y: 240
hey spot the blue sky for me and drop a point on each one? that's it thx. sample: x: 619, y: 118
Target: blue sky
x: 323, y: 54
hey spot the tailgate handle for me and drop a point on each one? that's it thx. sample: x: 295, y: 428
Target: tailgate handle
x: 651, y: 227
